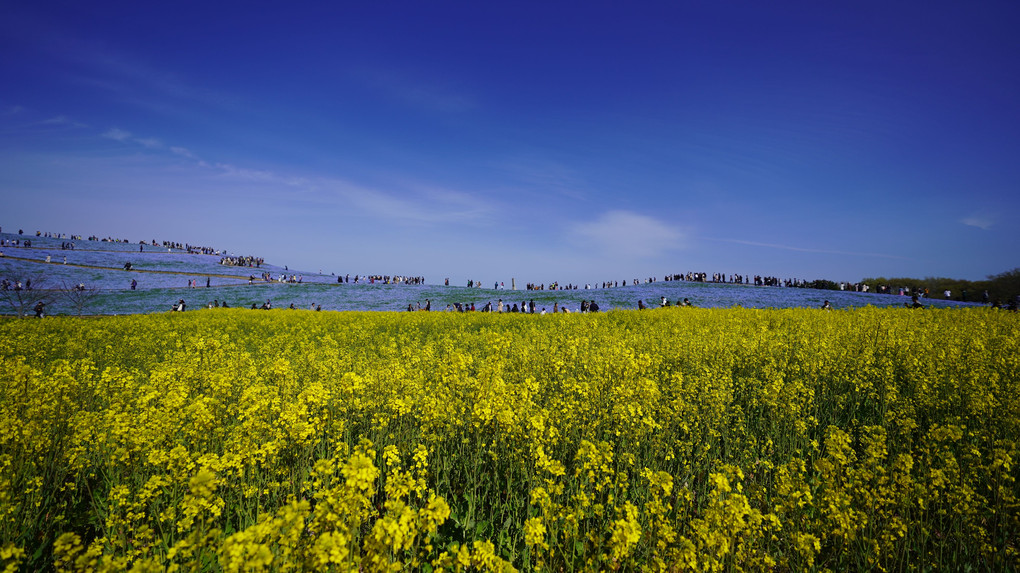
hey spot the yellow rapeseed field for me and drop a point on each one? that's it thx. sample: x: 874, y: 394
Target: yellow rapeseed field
x: 665, y: 440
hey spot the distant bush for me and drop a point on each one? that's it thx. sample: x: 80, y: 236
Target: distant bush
x: 822, y: 284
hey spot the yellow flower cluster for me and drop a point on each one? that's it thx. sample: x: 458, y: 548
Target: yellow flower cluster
x: 707, y: 440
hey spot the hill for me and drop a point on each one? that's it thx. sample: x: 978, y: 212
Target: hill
x: 107, y: 276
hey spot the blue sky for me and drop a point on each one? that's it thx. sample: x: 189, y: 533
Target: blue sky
x: 571, y: 142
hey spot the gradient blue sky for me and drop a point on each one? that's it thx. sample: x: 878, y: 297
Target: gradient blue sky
x: 572, y: 142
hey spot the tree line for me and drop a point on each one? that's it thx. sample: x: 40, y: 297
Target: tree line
x: 1002, y: 287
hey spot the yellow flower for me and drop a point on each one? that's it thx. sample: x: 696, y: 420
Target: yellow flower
x: 534, y: 532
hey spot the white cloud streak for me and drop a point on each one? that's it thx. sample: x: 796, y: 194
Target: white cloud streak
x: 149, y: 142
x: 411, y: 203
x: 624, y: 233
x: 117, y: 134
x: 545, y: 176
x: 402, y: 202
x: 259, y: 175
x: 134, y: 81
x: 61, y: 121
x: 806, y: 249
x: 978, y: 220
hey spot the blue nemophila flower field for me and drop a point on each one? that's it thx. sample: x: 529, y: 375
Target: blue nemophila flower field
x: 165, y: 276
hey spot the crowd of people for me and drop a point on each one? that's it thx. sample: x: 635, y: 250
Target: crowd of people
x: 688, y: 277
x: 757, y: 280
x: 525, y: 307
x: 554, y: 286
x: 180, y: 305
x: 192, y: 283
x: 188, y: 248
x: 15, y: 285
x: 15, y: 243
x: 924, y: 292
x: 393, y: 280
x: 246, y: 261
x: 268, y: 277
x: 664, y: 303
x: 50, y: 235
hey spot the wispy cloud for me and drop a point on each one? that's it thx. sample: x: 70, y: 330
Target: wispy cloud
x: 403, y: 204
x: 86, y: 60
x: 545, y: 176
x: 426, y: 94
x: 979, y: 220
x: 62, y: 120
x: 259, y: 175
x: 32, y: 122
x: 128, y: 78
x: 624, y: 233
x: 121, y: 135
x: 117, y: 134
x: 409, y: 202
x: 135, y: 81
x: 805, y: 249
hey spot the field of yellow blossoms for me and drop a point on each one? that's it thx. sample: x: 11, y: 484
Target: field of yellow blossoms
x: 669, y: 440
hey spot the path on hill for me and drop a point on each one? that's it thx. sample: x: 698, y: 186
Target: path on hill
x: 59, y: 264
x: 149, y: 251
